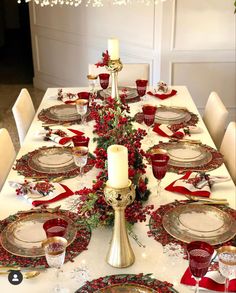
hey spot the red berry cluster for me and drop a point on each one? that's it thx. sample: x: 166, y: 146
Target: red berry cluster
x: 105, y: 59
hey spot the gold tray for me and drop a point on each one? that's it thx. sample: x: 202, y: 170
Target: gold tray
x: 23, y: 237
x: 192, y: 222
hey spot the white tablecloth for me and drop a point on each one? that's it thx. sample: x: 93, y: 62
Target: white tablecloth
x: 150, y: 259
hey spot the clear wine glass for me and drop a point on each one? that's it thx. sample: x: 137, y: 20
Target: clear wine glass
x: 80, y: 155
x: 159, y: 168
x: 82, y: 108
x: 149, y: 112
x: 227, y: 263
x: 199, y: 255
x: 55, y: 249
x: 92, y: 81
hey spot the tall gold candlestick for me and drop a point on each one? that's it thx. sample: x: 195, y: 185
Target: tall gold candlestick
x: 114, y: 66
x: 120, y: 254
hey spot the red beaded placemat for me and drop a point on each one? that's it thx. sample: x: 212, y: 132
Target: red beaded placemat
x: 157, y: 231
x: 75, y: 248
x: 127, y: 283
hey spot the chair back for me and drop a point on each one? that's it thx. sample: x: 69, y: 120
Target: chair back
x: 7, y: 155
x: 228, y: 149
x: 215, y: 117
x: 23, y: 112
x: 128, y: 75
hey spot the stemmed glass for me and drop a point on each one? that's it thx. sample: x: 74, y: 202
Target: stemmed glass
x: 227, y: 263
x: 80, y: 155
x: 199, y: 255
x: 149, y: 118
x: 159, y: 168
x: 104, y: 81
x: 55, y: 249
x: 82, y: 108
x: 92, y: 80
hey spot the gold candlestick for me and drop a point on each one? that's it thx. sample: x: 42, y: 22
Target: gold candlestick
x: 114, y: 66
x: 120, y: 254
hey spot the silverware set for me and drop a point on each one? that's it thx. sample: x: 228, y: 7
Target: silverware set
x: 206, y: 200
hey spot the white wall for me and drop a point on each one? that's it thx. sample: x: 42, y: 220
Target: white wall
x: 187, y: 42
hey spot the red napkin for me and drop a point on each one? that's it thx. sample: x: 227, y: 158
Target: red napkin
x: 63, y: 140
x: 165, y: 131
x: 180, y: 186
x: 60, y: 196
x: 77, y: 132
x: 163, y: 96
x: 211, y: 281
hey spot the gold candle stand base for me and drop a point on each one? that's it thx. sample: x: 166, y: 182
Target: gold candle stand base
x: 120, y: 254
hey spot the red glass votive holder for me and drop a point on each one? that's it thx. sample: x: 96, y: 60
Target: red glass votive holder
x: 141, y: 86
x: 55, y: 227
x: 104, y: 80
x: 80, y: 140
x: 149, y: 114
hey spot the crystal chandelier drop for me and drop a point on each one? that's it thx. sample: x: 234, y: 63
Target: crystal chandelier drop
x: 93, y: 3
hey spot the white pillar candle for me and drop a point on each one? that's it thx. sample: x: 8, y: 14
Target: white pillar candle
x: 113, y: 49
x: 117, y: 156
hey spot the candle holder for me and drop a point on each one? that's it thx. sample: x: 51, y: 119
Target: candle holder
x: 120, y: 254
x: 114, y: 66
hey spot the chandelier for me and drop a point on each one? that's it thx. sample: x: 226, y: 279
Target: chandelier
x: 93, y: 3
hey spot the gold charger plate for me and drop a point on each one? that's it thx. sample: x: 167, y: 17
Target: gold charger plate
x: 52, y: 160
x: 192, y: 222
x: 185, y: 154
x: 169, y: 115
x: 125, y: 288
x: 62, y: 113
x: 24, y: 236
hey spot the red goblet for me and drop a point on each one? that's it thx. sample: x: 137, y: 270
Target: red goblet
x: 149, y: 114
x: 84, y: 96
x: 199, y: 255
x: 55, y: 227
x: 141, y: 86
x: 159, y: 168
x: 104, y: 80
x: 80, y: 140
x: 149, y: 118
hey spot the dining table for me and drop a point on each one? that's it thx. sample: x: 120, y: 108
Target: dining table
x: 151, y: 257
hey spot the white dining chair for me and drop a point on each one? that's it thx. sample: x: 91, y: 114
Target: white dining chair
x: 215, y: 117
x: 23, y: 112
x: 7, y: 155
x: 228, y: 149
x: 128, y: 75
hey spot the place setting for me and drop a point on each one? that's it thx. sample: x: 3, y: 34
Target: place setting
x: 53, y: 162
x: 66, y: 114
x: 168, y: 121
x: 189, y: 155
x: 23, y: 233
